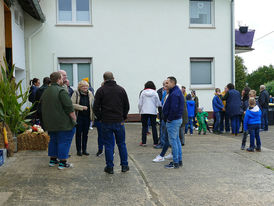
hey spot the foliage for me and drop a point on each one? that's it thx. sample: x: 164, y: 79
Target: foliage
x: 12, y: 99
x: 270, y: 87
x: 240, y: 73
x: 260, y: 76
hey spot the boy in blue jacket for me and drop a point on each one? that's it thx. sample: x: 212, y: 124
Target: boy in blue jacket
x: 252, y: 122
x: 191, y: 113
x: 218, y: 106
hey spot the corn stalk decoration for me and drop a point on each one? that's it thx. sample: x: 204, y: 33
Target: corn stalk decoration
x: 12, y: 100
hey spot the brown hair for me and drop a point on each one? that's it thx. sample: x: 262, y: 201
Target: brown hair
x: 252, y: 92
x: 217, y: 90
x: 55, y: 76
x: 252, y: 102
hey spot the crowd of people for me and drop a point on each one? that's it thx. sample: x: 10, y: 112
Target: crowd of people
x: 63, y: 112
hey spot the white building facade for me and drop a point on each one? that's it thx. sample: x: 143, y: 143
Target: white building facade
x: 136, y: 40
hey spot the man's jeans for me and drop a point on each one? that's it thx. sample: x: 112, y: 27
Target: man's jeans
x: 107, y: 134
x: 190, y: 123
x: 264, y: 124
x: 163, y: 133
x: 224, y: 121
x: 166, y: 142
x: 254, y: 131
x: 173, y: 128
x: 59, y: 144
x: 218, y: 121
x: 235, y: 124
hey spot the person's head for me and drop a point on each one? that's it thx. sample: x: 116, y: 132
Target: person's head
x: 46, y: 80
x: 108, y: 76
x: 252, y: 93
x: 217, y: 91
x: 166, y: 86
x: 188, y: 97
x: 164, y: 83
x: 193, y: 93
x: 226, y: 89
x: 183, y: 88
x: 56, y: 77
x: 150, y: 85
x: 83, y: 86
x: 245, y: 92
x: 262, y: 87
x: 64, y: 74
x: 252, y: 102
x: 200, y: 109
x: 35, y: 82
x: 171, y: 82
x: 270, y: 96
x: 230, y: 86
x: 86, y: 79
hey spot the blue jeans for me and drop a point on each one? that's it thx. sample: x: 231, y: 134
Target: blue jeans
x: 264, y: 124
x: 235, y: 124
x: 107, y: 134
x: 254, y: 131
x: 224, y: 122
x: 190, y: 122
x: 217, y: 122
x: 59, y: 144
x: 163, y: 133
x: 166, y: 142
x: 100, y: 141
x: 83, y: 123
x: 173, y: 128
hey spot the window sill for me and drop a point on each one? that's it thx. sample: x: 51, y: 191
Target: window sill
x: 74, y: 24
x: 202, y: 87
x: 201, y: 26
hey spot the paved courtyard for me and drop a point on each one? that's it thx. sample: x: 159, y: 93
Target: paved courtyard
x: 215, y: 172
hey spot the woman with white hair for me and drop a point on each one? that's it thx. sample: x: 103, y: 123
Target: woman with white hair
x: 82, y: 100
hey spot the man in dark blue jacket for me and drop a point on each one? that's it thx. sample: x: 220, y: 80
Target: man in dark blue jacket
x: 264, y: 104
x: 173, y: 111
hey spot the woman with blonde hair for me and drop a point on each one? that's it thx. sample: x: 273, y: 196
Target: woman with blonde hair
x: 82, y: 100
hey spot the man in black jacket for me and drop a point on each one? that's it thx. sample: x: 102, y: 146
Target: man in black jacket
x: 263, y: 102
x: 111, y: 107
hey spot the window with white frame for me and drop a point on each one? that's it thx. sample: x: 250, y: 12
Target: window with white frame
x: 201, y: 12
x: 77, y: 69
x: 74, y: 11
x: 201, y: 71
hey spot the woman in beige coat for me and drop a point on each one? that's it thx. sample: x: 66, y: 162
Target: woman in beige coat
x: 82, y: 100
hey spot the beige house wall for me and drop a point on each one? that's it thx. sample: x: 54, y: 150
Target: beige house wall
x: 2, y: 30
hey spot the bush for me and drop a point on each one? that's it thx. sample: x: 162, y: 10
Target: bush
x: 12, y: 100
x: 270, y: 87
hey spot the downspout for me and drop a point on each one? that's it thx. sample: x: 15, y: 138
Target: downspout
x: 232, y: 44
x: 30, y: 52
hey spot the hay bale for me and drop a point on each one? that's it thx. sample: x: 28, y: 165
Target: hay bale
x: 33, y: 141
x: 10, y: 139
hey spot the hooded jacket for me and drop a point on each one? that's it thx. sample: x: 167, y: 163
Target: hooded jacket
x: 190, y: 108
x: 149, y: 102
x: 252, y: 116
x: 217, y: 104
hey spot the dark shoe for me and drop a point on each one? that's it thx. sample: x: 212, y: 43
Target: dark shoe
x: 79, y: 153
x: 243, y: 147
x: 172, y: 165
x: 199, y: 133
x: 180, y: 163
x: 159, y: 146
x: 99, y: 153
x: 204, y: 133
x: 250, y: 149
x: 125, y: 168
x: 109, y: 170
x: 86, y: 153
x: 216, y: 132
x: 258, y: 149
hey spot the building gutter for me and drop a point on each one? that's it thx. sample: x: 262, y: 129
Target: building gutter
x: 232, y: 43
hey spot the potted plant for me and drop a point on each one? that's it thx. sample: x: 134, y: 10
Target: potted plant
x: 12, y: 101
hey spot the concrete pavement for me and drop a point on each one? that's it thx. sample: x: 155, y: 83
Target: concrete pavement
x: 215, y: 172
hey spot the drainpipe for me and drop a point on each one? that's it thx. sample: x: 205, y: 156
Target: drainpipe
x: 232, y: 44
x: 28, y: 71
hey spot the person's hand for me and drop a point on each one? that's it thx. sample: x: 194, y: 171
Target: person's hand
x: 85, y: 108
x: 223, y: 109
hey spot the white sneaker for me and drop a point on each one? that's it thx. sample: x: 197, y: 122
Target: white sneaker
x: 159, y: 159
x: 197, y: 129
x: 169, y: 156
x: 91, y: 128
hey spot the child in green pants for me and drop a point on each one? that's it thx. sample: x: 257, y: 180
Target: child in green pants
x: 201, y: 118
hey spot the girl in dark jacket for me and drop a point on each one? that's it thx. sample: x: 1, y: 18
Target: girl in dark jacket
x: 244, y: 107
x: 35, y: 83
